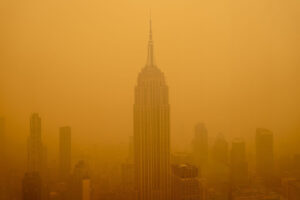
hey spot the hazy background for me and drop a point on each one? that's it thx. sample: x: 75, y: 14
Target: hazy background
x: 232, y: 64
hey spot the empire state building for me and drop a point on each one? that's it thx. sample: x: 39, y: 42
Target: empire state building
x: 152, y: 132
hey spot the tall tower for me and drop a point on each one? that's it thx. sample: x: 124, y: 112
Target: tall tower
x: 219, y: 170
x: 35, y: 147
x: 200, y: 145
x: 220, y: 150
x: 238, y: 162
x: 64, y: 152
x: 152, y: 132
x: 264, y: 153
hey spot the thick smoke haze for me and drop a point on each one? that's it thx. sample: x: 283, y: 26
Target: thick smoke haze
x: 232, y: 64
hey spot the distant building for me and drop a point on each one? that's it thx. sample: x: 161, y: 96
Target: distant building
x: 185, y: 183
x: 220, y: 150
x: 291, y: 189
x: 219, y: 169
x: 36, y: 150
x: 200, y: 145
x: 238, y: 162
x: 79, y: 183
x: 32, y: 186
x: 254, y: 194
x: 285, y: 165
x: 64, y: 152
x: 264, y: 153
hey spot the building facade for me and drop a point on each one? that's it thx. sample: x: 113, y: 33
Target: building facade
x: 185, y: 183
x: 36, y: 151
x: 200, y: 146
x: 264, y: 153
x: 64, y: 152
x: 238, y: 162
x: 32, y: 186
x: 152, y: 132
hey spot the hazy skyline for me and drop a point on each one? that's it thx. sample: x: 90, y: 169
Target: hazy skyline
x: 230, y: 64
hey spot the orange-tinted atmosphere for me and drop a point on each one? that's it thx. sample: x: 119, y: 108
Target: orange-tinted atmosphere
x: 233, y: 66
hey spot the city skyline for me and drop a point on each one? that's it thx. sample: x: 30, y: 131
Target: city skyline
x: 214, y: 81
x: 90, y: 110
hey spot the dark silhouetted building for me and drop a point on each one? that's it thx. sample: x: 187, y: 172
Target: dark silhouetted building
x: 264, y: 153
x: 80, y: 183
x: 64, y: 152
x: 36, y: 151
x: 238, y: 162
x: 200, y: 145
x: 152, y: 132
x: 32, y: 186
x: 220, y: 150
x: 185, y: 183
x: 219, y: 169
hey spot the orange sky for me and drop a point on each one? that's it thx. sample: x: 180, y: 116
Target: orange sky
x: 229, y: 63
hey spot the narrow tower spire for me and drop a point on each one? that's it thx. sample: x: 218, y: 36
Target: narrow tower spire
x: 150, y: 58
x: 150, y: 29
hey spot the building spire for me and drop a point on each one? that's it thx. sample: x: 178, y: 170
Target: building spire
x: 150, y: 30
x: 150, y: 58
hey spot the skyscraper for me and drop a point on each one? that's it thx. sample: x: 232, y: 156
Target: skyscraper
x: 64, y: 152
x: 220, y: 150
x: 264, y: 152
x: 35, y: 146
x: 238, y: 163
x: 200, y: 145
x: 219, y: 168
x: 152, y: 132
